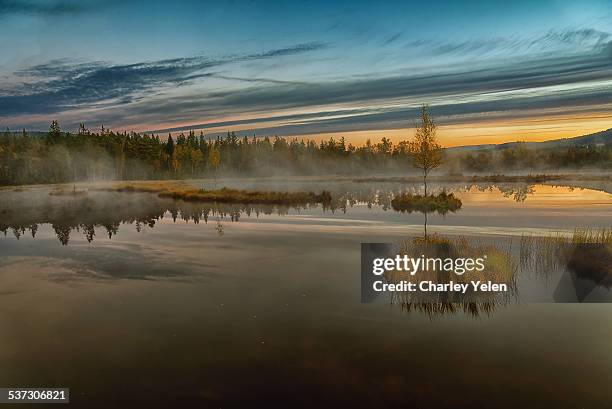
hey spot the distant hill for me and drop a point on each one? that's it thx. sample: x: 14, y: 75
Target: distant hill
x: 597, y: 138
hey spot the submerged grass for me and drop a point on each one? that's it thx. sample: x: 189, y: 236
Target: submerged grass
x: 441, y: 203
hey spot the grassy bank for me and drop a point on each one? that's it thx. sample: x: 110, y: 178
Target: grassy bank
x: 225, y: 195
x: 67, y: 192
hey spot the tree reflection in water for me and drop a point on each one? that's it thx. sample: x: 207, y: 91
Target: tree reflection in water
x: 109, y: 211
x: 25, y: 211
x: 501, y: 267
x: 572, y: 267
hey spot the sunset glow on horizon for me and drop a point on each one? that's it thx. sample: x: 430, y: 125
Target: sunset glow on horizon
x: 309, y: 71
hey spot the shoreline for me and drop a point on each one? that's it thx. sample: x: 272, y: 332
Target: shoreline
x: 489, y: 178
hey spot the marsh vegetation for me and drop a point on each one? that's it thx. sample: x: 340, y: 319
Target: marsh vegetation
x: 441, y: 203
x: 115, y: 210
x: 587, y: 252
x: 501, y: 268
x: 585, y: 255
x: 226, y: 195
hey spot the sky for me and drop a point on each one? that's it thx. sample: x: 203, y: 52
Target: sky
x: 490, y: 71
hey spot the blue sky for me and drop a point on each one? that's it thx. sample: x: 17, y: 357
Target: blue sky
x: 488, y: 69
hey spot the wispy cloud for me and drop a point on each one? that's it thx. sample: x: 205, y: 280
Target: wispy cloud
x: 511, y: 90
x: 256, y: 79
x: 393, y: 38
x: 402, y: 117
x: 46, y: 7
x: 62, y: 85
x: 526, y: 74
x: 552, y: 41
x: 128, y: 95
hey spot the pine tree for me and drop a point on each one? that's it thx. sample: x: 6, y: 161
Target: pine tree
x: 55, y: 133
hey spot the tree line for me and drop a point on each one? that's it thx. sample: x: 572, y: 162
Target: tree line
x: 59, y: 156
x: 522, y: 158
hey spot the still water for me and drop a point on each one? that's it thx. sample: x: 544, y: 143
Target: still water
x: 131, y: 300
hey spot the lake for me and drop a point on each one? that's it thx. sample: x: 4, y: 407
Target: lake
x: 127, y: 298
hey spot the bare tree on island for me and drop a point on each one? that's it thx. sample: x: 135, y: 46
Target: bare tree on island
x: 424, y: 149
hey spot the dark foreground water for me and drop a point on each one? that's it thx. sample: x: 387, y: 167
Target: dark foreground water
x: 263, y: 310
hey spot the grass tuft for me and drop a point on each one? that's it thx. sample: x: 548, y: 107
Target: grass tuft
x: 442, y: 203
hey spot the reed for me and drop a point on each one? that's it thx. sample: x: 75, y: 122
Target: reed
x: 546, y: 253
x: 500, y: 268
x: 584, y: 235
x: 439, y: 309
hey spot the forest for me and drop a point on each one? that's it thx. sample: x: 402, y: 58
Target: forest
x: 57, y: 157
x: 522, y: 158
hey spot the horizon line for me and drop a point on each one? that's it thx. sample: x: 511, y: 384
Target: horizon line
x: 320, y: 137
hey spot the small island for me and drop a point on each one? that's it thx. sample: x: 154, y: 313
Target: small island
x: 181, y: 191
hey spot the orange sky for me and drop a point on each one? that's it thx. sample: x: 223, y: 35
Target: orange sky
x: 489, y: 131
x: 545, y: 125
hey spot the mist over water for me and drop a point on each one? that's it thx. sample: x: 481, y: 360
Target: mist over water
x: 194, y: 300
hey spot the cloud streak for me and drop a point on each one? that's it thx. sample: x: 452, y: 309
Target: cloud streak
x: 132, y: 94
x: 551, y: 41
x: 554, y: 82
x: 62, y: 85
x: 49, y: 8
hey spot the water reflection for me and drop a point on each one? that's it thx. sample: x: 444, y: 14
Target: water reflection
x: 23, y: 212
x: 579, y: 264
x: 548, y: 258
x: 501, y: 268
x: 518, y: 193
x: 574, y: 269
x: 347, y: 193
x: 109, y: 210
